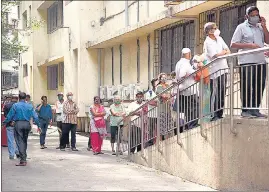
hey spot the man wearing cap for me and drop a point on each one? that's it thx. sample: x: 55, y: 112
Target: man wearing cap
x: 251, y: 34
x: 188, y: 100
x: 70, y: 110
x: 59, y: 117
x: 12, y: 149
x: 214, y: 46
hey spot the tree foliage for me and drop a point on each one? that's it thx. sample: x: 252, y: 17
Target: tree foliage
x: 11, y: 45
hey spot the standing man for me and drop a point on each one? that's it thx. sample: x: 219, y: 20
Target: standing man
x: 59, y: 117
x: 45, y: 118
x: 12, y: 149
x: 188, y: 99
x: 251, y: 34
x: 21, y: 113
x: 70, y: 110
x: 214, y: 46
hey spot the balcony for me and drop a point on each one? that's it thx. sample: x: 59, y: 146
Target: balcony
x: 173, y: 2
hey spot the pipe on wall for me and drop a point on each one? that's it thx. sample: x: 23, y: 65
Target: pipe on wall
x: 126, y: 14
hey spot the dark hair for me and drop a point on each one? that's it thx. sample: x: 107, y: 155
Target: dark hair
x: 28, y: 96
x: 139, y: 93
x: 22, y: 95
x: 153, y: 81
x: 251, y: 9
x: 43, y: 97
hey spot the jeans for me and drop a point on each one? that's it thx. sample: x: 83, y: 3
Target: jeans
x: 22, y: 129
x: 67, y: 127
x: 12, y: 147
x: 44, y: 127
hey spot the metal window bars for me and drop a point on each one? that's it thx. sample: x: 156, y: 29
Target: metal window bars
x: 187, y: 107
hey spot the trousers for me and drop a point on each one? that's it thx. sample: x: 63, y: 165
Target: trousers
x: 22, y: 129
x: 12, y: 149
x: 67, y: 127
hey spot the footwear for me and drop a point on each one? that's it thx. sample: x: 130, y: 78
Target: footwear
x: 114, y: 153
x: 11, y: 157
x: 121, y: 153
x: 247, y: 114
x: 63, y: 149
x: 42, y: 147
x: 21, y: 164
x: 95, y: 153
x: 18, y: 156
x: 67, y: 146
x: 88, y: 148
x: 100, y: 153
x: 57, y: 147
x: 256, y: 113
x: 74, y: 149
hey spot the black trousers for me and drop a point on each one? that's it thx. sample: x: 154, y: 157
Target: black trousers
x: 135, y: 142
x: 218, y: 95
x: 60, y: 131
x: 188, y: 105
x: 67, y: 127
x: 21, y: 132
x: 252, y: 84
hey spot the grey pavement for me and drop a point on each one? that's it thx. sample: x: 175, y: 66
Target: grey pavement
x: 54, y: 170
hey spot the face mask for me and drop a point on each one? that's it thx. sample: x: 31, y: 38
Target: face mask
x: 204, y: 62
x: 163, y: 80
x: 60, y: 97
x: 139, y: 100
x: 70, y: 98
x: 217, y: 33
x: 253, y: 20
x: 117, y: 102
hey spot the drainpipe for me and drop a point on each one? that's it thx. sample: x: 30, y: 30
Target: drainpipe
x: 99, y: 70
x: 126, y: 14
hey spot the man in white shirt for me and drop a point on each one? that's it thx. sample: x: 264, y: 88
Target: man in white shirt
x: 59, y: 116
x: 135, y: 136
x: 214, y: 46
x: 188, y: 100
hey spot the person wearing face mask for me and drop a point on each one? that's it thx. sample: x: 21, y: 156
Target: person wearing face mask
x: 69, y: 123
x: 214, y: 46
x: 59, y: 117
x: 98, y: 125
x: 135, y: 136
x: 117, y: 114
x: 251, y: 34
x: 44, y: 112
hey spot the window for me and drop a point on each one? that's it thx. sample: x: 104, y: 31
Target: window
x: 25, y: 70
x: 172, y: 39
x: 24, y: 20
x: 52, y: 77
x: 55, y: 16
x: 6, y: 18
x: 61, y: 70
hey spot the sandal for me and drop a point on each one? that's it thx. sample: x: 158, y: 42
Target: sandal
x: 113, y: 153
x: 95, y: 153
x: 100, y: 153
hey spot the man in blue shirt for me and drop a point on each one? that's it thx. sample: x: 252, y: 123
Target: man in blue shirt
x: 21, y: 113
x: 45, y: 118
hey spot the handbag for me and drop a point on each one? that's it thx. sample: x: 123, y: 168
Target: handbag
x: 99, y: 122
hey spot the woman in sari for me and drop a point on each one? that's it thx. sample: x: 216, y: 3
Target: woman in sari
x: 98, y: 125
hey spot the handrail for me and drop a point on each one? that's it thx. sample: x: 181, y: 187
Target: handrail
x: 263, y: 49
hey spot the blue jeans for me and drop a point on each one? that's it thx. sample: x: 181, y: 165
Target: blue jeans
x: 12, y: 147
x: 44, y: 127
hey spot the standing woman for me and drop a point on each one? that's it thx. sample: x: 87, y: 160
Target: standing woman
x: 98, y: 125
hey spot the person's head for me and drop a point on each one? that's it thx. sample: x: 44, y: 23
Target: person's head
x: 139, y: 97
x: 28, y: 98
x: 14, y: 98
x: 186, y: 53
x: 60, y: 96
x: 117, y: 99
x: 44, y: 99
x: 162, y: 78
x: 154, y: 83
x: 211, y: 30
x: 22, y: 96
x: 8, y: 98
x: 253, y: 15
x: 69, y: 96
x: 97, y: 100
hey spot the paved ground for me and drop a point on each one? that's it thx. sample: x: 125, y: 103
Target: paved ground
x: 53, y: 170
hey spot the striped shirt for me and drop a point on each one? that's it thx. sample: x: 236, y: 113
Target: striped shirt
x: 70, y: 111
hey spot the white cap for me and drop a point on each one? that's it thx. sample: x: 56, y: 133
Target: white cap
x: 185, y: 50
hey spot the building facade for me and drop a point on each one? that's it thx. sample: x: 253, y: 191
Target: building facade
x: 101, y: 47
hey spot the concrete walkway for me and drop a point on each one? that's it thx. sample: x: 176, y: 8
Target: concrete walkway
x: 54, y: 170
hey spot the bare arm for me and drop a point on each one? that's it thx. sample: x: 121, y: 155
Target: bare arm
x: 95, y: 114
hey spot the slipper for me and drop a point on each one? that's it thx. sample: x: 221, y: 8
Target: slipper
x: 114, y: 153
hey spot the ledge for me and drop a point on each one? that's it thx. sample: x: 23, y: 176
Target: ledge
x: 44, y: 5
x: 50, y: 61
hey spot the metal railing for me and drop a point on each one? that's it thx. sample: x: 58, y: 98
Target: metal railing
x: 193, y: 104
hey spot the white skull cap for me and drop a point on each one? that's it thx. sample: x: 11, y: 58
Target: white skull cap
x: 185, y: 50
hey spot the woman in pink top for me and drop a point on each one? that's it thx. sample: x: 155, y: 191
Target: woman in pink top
x: 98, y: 125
